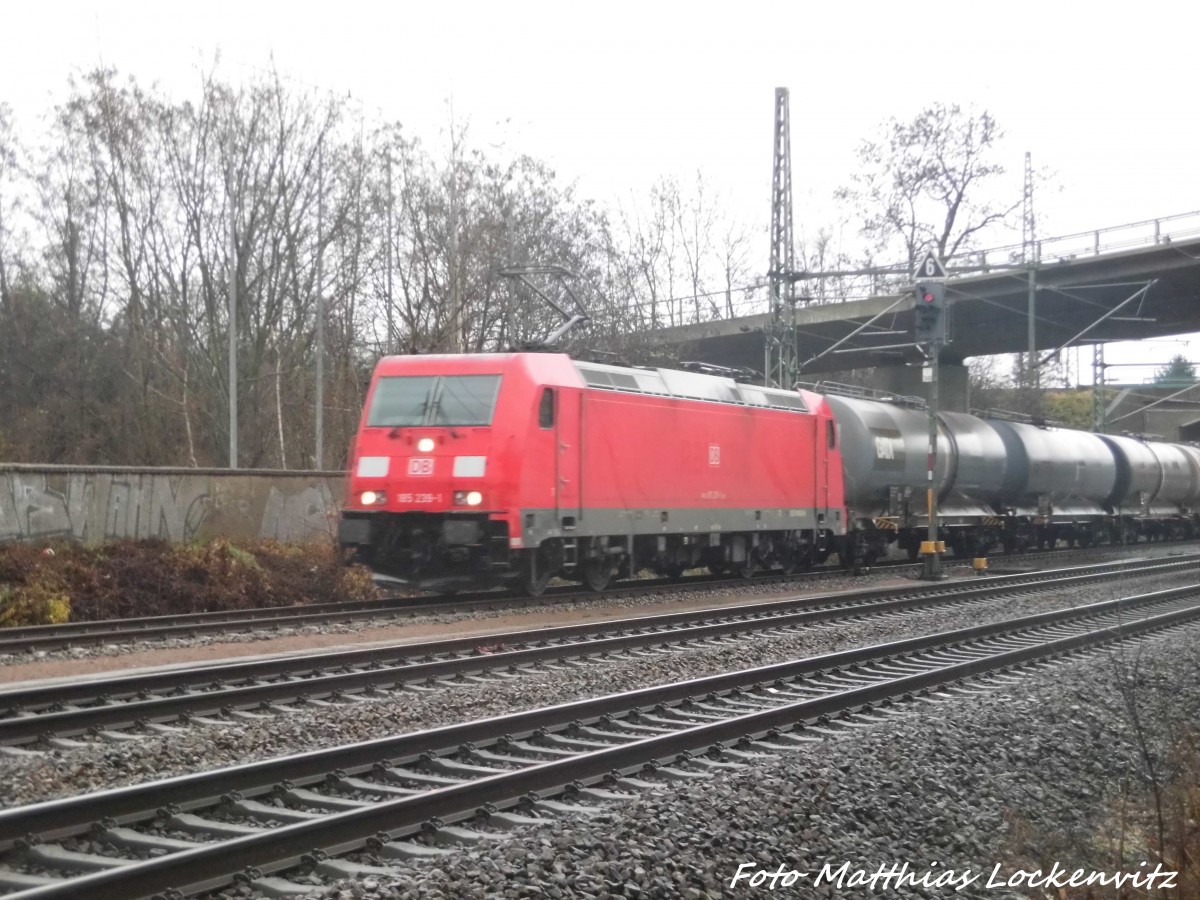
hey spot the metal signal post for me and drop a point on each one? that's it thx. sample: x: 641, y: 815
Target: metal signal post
x: 929, y: 309
x: 931, y: 568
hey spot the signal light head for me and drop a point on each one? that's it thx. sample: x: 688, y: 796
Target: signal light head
x: 929, y: 305
x: 926, y: 294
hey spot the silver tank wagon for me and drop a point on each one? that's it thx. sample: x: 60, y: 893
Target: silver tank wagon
x: 1056, y: 472
x: 885, y: 446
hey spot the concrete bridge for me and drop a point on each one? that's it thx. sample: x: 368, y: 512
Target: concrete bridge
x: 1126, y: 283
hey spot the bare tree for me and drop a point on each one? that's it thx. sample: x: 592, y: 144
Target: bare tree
x: 119, y: 323
x: 930, y: 182
x: 737, y: 272
x: 695, y: 219
x: 9, y: 174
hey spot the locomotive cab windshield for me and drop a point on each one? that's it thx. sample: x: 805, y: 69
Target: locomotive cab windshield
x: 408, y: 401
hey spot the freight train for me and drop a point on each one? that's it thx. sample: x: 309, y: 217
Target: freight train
x: 517, y: 468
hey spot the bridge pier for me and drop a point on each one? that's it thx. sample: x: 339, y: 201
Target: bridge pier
x: 953, y: 386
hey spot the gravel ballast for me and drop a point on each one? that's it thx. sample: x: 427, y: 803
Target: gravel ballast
x: 57, y: 773
x: 1021, y: 777
x: 610, y: 606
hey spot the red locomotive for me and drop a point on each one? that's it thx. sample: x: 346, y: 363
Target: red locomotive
x: 519, y: 467
x: 515, y: 468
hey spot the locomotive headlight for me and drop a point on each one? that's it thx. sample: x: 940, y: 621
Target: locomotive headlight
x: 371, y: 498
x: 425, y: 445
x: 467, y: 498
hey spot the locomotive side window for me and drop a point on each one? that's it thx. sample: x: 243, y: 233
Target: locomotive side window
x: 546, y: 409
x: 831, y: 434
x: 409, y: 400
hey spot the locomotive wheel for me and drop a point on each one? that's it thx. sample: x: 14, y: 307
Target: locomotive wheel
x: 789, y: 561
x: 746, y: 568
x: 597, y: 573
x: 535, y: 585
x: 537, y: 574
x: 796, y: 559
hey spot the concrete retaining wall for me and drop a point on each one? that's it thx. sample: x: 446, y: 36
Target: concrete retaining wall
x: 89, y: 503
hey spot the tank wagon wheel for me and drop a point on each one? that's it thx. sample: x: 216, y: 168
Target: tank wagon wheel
x: 717, y: 569
x: 847, y: 555
x: 597, y: 573
x: 674, y: 572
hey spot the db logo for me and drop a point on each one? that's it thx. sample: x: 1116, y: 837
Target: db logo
x: 714, y: 454
x: 420, y: 466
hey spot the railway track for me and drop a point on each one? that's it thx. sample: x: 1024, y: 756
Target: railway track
x: 26, y: 639
x: 56, y: 716
x: 352, y: 811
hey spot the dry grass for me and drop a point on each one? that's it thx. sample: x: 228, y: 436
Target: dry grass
x: 1130, y: 840
x: 41, y: 583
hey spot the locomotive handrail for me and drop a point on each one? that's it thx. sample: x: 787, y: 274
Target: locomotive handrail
x: 862, y: 393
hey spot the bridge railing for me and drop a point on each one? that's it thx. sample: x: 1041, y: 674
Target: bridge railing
x: 751, y: 300
x: 1095, y: 243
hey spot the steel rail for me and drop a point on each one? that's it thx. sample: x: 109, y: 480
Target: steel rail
x: 213, y: 865
x: 391, y: 667
x: 74, y: 634
x: 284, y: 665
x: 24, y: 637
x: 27, y: 638
x: 57, y: 818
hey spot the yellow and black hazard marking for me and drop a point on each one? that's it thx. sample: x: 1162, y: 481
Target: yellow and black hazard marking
x: 886, y: 524
x: 995, y: 521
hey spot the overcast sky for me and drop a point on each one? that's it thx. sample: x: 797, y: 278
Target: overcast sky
x: 614, y: 95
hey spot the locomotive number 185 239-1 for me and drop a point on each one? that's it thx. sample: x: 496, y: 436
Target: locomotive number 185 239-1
x: 418, y: 498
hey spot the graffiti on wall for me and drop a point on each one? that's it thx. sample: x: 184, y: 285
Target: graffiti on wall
x: 300, y: 516
x: 98, y: 505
